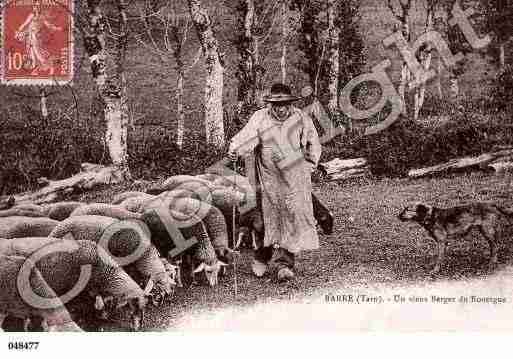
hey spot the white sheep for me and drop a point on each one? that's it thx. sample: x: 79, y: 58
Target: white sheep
x: 25, y: 210
x: 194, y: 218
x: 55, y: 318
x: 123, y: 239
x: 19, y: 227
x: 205, y: 258
x: 61, y: 210
x: 105, y: 210
x: 60, y: 262
x: 180, y: 181
x: 137, y: 204
x: 125, y: 195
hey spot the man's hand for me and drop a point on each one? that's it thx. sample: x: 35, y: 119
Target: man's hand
x: 232, y: 156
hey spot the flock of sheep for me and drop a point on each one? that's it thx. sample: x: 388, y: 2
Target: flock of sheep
x: 115, y: 257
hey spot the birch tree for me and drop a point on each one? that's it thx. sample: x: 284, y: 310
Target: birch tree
x: 333, y: 56
x: 112, y: 91
x: 404, y: 25
x: 256, y: 24
x: 425, y: 57
x: 247, y: 48
x: 214, y: 64
x: 457, y: 43
x: 285, y: 29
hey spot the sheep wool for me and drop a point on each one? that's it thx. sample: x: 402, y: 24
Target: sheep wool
x: 210, y: 177
x: 125, y: 195
x: 61, y: 267
x: 160, y: 236
x: 61, y: 210
x: 175, y: 181
x: 211, y: 216
x: 13, y: 303
x: 138, y: 204
x: 106, y: 210
x: 123, y: 242
x: 204, y: 252
x: 19, y: 227
x: 25, y: 210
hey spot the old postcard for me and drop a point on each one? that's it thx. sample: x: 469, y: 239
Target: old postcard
x: 240, y: 166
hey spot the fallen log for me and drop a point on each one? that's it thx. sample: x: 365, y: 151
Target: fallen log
x: 501, y: 166
x: 337, y: 165
x: 503, y: 153
x: 347, y: 174
x: 91, y: 176
x: 456, y: 165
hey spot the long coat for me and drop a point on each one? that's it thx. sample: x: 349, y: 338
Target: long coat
x: 289, y: 151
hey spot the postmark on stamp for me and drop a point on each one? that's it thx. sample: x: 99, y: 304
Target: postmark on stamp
x: 37, y: 42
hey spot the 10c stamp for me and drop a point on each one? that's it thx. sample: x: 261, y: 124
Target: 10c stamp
x: 37, y: 42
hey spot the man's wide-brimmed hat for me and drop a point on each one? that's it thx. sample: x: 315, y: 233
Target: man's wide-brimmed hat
x: 280, y: 93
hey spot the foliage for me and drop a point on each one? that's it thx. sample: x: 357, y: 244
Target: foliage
x: 498, y: 14
x: 311, y: 40
x: 351, y: 42
x: 53, y: 148
x: 407, y: 144
x: 502, y: 92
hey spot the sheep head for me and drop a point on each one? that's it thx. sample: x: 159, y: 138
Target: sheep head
x: 211, y: 271
x: 173, y: 271
x: 161, y: 288
x: 133, y: 307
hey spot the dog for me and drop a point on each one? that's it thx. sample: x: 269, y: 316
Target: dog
x: 442, y: 223
x: 251, y: 230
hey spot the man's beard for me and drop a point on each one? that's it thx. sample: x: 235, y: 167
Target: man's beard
x: 281, y: 115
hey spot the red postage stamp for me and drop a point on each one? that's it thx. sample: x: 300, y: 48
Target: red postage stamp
x: 37, y: 42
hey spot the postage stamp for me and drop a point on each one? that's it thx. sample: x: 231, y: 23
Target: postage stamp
x: 37, y: 42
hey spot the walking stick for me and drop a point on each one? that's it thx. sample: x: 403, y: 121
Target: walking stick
x: 234, y: 212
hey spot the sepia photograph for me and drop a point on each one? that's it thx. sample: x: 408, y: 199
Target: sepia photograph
x: 182, y: 166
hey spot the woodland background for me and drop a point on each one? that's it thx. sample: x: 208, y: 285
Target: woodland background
x: 297, y: 42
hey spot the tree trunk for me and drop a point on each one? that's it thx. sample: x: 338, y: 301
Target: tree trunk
x: 404, y: 26
x: 439, y: 78
x: 113, y: 92
x: 333, y: 58
x: 121, y: 121
x: 426, y: 57
x: 44, y: 107
x: 454, y: 86
x: 284, y: 40
x: 459, y: 164
x: 179, y: 107
x: 53, y: 191
x: 405, y: 70
x: 246, y: 74
x: 259, y: 78
x: 502, y: 56
x: 214, y: 126
x: 94, y: 43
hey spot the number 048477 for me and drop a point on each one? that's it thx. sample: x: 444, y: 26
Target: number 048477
x: 23, y: 345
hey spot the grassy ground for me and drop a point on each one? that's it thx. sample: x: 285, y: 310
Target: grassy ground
x: 374, y: 249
